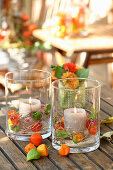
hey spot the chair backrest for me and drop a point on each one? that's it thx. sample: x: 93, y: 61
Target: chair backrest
x: 56, y: 6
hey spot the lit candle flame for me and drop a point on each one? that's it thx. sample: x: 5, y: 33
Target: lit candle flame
x: 75, y: 110
x: 26, y: 88
x: 76, y: 97
x: 30, y: 100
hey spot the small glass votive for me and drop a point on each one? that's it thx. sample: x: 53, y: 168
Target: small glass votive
x: 75, y: 114
x: 28, y: 103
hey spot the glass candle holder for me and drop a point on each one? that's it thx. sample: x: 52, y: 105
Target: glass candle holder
x: 75, y: 114
x: 28, y: 101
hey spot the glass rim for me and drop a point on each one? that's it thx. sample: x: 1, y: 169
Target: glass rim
x: 27, y: 70
x: 91, y: 79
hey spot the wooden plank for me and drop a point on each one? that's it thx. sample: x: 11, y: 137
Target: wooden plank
x: 106, y: 147
x: 101, y: 159
x: 14, y: 153
x: 108, y: 109
x: 104, y: 129
x: 101, y: 61
x: 4, y: 163
x: 59, y: 161
x: 83, y: 161
x: 107, y: 94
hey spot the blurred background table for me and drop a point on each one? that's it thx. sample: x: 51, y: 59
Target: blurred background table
x: 99, y: 40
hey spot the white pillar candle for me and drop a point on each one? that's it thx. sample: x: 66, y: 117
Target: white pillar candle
x: 26, y: 106
x: 75, y: 119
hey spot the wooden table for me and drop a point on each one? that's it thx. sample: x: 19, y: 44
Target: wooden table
x: 100, y: 37
x: 13, y: 156
x: 98, y: 41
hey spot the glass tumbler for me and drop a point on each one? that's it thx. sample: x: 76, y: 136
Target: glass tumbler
x: 75, y: 114
x: 28, y: 103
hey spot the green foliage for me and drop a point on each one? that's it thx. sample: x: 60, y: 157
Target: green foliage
x: 82, y: 73
x: 48, y: 108
x: 14, y: 128
x: 94, y: 114
x: 36, y: 115
x: 75, y: 140
x: 59, y: 72
x: 62, y: 134
x: 53, y: 67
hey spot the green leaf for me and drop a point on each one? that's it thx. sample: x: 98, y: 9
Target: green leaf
x: 62, y: 134
x: 53, y: 67
x: 36, y: 115
x: 14, y: 128
x: 92, y: 110
x: 82, y: 73
x: 33, y: 154
x: 75, y: 140
x: 107, y: 120
x: 48, y: 108
x: 59, y: 72
x: 94, y: 114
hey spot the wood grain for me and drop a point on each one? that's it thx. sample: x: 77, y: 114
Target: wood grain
x: 4, y: 163
x: 101, y: 159
x: 14, y: 153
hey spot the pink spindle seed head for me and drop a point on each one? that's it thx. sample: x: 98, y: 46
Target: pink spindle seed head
x: 95, y: 122
x: 14, y: 125
x: 29, y: 117
x: 27, y: 120
x: 42, y: 106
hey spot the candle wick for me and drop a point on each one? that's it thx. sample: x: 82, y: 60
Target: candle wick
x: 30, y: 107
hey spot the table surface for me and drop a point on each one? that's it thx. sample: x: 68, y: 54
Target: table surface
x: 100, y: 37
x: 13, y: 156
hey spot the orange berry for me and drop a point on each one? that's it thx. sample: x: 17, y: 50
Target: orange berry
x: 43, y: 150
x: 32, y: 27
x: 92, y: 130
x: 11, y: 113
x: 27, y: 34
x: 24, y: 17
x: 14, y: 117
x: 64, y: 150
x: 53, y: 75
x: 62, y: 119
x: 36, y: 139
x: 29, y: 147
x: 79, y: 137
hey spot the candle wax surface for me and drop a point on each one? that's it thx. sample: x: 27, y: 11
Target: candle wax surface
x: 75, y: 119
x: 25, y: 107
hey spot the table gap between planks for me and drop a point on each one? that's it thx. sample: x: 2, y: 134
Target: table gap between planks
x: 13, y: 156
